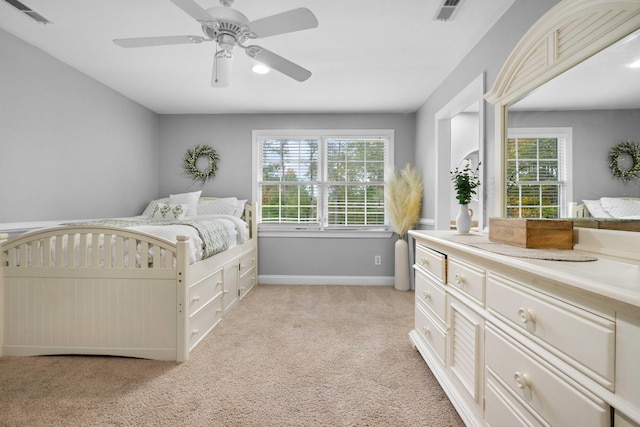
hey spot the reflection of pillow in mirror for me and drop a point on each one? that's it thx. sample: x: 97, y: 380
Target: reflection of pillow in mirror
x: 595, y: 209
x: 618, y: 207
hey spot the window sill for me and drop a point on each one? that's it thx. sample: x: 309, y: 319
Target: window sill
x: 326, y: 234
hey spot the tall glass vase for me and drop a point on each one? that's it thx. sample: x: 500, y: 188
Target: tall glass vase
x: 402, y: 267
x: 463, y: 220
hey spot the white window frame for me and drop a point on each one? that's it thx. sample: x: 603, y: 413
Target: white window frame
x: 301, y: 230
x: 566, y: 171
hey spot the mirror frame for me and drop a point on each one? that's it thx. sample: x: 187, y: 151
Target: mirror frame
x: 569, y: 33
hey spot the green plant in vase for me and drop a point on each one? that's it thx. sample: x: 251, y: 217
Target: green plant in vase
x: 465, y: 182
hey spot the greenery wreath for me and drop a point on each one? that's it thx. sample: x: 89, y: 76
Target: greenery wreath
x: 616, y: 152
x: 191, y: 159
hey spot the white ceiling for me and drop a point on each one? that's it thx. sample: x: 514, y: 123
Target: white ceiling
x: 365, y: 55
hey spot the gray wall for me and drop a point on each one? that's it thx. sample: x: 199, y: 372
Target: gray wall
x: 69, y: 146
x: 487, y: 56
x: 594, y: 133
x: 231, y: 136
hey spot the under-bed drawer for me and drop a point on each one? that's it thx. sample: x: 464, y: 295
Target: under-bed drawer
x: 247, y: 262
x: 204, y: 321
x: 246, y: 283
x: 204, y: 291
x: 591, y: 340
x: 432, y: 261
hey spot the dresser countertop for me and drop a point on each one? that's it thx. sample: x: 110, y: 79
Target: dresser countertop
x: 616, y: 278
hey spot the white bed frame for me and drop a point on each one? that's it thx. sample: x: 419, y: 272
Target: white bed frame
x: 150, y: 310
x: 578, y: 211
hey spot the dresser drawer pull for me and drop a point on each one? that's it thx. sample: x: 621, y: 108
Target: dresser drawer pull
x: 424, y: 261
x: 459, y: 279
x: 526, y: 315
x: 426, y: 295
x: 196, y: 298
x: 219, y: 283
x: 426, y: 330
x: 522, y: 380
x: 195, y: 332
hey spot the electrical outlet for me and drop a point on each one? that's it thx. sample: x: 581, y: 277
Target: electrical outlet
x: 377, y: 260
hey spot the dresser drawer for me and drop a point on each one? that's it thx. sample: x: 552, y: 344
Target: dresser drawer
x: 467, y: 278
x: 431, y: 295
x: 502, y: 408
x: 204, y: 291
x: 588, y: 339
x: 432, y: 261
x: 247, y: 262
x: 430, y: 333
x: 538, y: 386
x: 204, y: 321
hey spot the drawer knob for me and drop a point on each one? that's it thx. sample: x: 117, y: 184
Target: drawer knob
x: 426, y: 330
x: 426, y: 295
x: 526, y: 315
x: 459, y: 279
x: 195, y: 332
x: 424, y: 261
x: 196, y: 298
x: 522, y: 380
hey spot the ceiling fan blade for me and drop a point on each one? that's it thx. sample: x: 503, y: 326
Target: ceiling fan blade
x: 285, y: 22
x: 193, y: 9
x: 278, y: 63
x: 221, y: 73
x: 158, y: 41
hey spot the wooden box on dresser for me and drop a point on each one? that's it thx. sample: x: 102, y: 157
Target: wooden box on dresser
x: 518, y: 341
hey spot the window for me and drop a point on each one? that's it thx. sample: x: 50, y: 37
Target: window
x: 537, y: 168
x: 321, y: 180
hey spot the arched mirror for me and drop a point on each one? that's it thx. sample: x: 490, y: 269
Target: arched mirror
x: 565, y: 97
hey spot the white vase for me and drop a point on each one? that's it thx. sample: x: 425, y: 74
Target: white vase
x: 463, y: 220
x: 402, y: 282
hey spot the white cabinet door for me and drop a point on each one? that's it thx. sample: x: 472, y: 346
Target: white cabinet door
x: 465, y: 347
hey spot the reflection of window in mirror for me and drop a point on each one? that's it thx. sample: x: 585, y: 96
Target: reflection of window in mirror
x: 537, y: 169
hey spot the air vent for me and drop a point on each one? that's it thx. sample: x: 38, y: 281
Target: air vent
x: 28, y: 11
x: 448, y: 10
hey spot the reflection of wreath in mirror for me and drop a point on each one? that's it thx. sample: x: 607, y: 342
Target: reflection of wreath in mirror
x: 191, y: 159
x: 616, y: 154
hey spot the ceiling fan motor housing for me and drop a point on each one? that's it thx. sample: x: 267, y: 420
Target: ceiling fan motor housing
x: 228, y: 27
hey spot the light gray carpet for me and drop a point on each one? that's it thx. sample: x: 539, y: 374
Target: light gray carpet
x: 284, y: 356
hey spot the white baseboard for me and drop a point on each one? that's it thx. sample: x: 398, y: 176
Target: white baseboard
x: 327, y: 280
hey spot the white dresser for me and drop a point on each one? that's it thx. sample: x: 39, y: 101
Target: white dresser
x: 516, y: 341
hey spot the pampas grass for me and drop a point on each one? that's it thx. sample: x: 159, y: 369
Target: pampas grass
x: 403, y: 196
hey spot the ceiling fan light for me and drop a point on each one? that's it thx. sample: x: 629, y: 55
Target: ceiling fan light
x: 260, y: 69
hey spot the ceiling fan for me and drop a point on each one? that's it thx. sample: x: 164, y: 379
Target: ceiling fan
x: 229, y: 29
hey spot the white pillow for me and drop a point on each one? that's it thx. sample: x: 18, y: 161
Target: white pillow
x: 595, y: 209
x: 148, y: 211
x: 239, y: 210
x: 167, y: 211
x: 222, y: 206
x: 190, y: 199
x: 620, y: 207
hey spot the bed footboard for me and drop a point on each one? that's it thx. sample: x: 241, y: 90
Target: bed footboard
x: 93, y: 290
